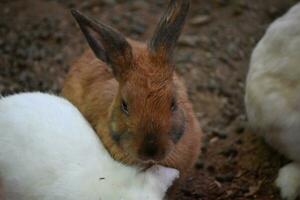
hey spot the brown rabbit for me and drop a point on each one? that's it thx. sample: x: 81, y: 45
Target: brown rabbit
x: 132, y: 96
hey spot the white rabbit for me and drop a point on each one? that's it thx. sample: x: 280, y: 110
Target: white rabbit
x: 273, y: 95
x: 49, y: 152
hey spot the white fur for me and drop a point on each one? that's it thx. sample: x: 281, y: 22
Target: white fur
x: 49, y: 152
x: 273, y: 89
x: 288, y: 181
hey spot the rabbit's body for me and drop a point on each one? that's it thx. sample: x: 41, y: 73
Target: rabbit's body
x: 94, y: 99
x: 140, y: 107
x: 49, y: 152
x: 273, y: 88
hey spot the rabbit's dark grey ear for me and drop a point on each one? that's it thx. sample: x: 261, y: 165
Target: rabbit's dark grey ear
x: 169, y: 28
x: 109, y: 45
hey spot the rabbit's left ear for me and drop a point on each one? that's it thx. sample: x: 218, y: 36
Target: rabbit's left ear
x: 169, y: 28
x: 108, y: 44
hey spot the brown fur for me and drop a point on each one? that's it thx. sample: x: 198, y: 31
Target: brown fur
x: 92, y: 88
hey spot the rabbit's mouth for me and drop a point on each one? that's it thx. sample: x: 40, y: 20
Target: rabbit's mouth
x: 148, y: 164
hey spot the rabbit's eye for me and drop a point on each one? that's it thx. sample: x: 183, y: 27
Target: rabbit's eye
x: 124, y: 107
x: 173, y: 105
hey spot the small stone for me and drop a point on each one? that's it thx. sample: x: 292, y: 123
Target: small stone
x: 184, y: 57
x: 86, y: 5
x: 186, y: 192
x: 188, y: 40
x: 229, y: 152
x: 59, y: 59
x: 244, y: 189
x: 213, y: 85
x: 219, y: 133
x: 200, y: 115
x: 6, y: 10
x: 204, y: 149
x: 225, y: 178
x: 273, y: 12
x: 213, y: 140
x: 239, y: 141
x: 238, y: 11
x: 116, y: 19
x: 211, y: 169
x: 222, y: 2
x: 138, y: 5
x: 109, y: 2
x: 201, y: 20
x: 240, y: 129
x: 137, y: 28
x: 229, y: 193
x: 199, y: 164
x: 253, y: 190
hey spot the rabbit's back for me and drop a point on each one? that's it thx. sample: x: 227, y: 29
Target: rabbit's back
x: 43, y: 138
x: 273, y: 84
x: 278, y: 51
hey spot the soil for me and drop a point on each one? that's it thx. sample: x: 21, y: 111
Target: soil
x: 39, y: 40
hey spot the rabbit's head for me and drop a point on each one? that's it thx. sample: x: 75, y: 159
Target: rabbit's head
x: 146, y: 118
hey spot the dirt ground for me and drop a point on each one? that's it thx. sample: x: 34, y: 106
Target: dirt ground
x: 39, y: 40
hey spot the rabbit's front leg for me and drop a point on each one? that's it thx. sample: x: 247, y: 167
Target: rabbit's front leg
x: 288, y: 181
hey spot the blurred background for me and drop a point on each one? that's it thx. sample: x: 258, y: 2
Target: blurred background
x: 39, y: 40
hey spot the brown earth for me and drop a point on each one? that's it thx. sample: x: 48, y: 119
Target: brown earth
x: 39, y: 40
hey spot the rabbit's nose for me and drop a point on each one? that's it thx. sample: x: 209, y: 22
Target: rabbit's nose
x: 150, y: 149
x: 151, y: 154
x: 148, y: 152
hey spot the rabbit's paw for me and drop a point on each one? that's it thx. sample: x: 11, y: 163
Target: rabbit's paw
x: 288, y: 181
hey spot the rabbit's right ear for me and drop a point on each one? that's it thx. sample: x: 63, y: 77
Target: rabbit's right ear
x: 109, y: 45
x: 169, y: 28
